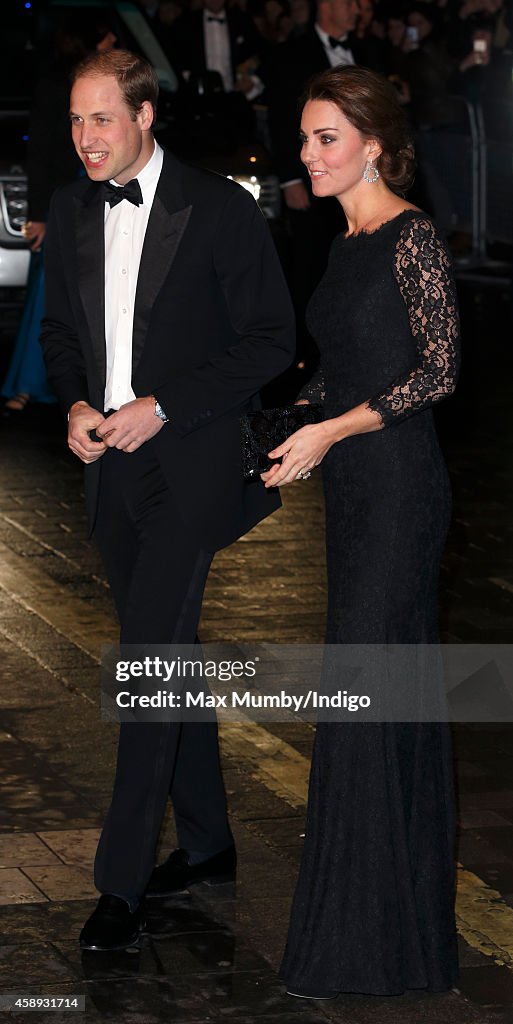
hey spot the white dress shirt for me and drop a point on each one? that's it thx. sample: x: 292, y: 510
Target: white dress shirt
x: 337, y: 55
x: 218, y: 53
x: 125, y: 228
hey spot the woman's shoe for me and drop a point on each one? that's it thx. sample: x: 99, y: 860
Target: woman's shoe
x: 310, y: 995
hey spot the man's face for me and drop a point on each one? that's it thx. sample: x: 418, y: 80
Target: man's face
x: 343, y: 16
x: 110, y: 142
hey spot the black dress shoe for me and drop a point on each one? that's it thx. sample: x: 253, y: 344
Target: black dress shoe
x: 176, y: 874
x: 111, y: 926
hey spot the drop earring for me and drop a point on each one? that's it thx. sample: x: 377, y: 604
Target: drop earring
x: 371, y: 173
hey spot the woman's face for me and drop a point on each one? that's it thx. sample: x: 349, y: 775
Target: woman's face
x: 333, y: 150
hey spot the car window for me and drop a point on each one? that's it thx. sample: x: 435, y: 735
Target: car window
x: 149, y: 45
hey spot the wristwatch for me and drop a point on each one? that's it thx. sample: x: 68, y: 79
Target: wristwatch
x: 160, y: 412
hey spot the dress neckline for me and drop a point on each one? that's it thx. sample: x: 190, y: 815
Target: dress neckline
x: 385, y: 224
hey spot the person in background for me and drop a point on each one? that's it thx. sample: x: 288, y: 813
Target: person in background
x: 394, y: 57
x: 329, y: 42
x: 301, y: 15
x: 428, y: 69
x: 219, y: 39
x: 484, y: 77
x: 52, y: 161
x: 469, y: 15
x: 168, y: 13
x: 273, y: 21
x: 371, y: 45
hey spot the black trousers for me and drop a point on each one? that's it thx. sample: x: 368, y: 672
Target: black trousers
x: 157, y: 573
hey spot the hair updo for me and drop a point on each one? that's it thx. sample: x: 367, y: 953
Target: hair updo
x: 370, y: 104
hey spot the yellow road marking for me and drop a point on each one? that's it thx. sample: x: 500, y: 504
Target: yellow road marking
x: 276, y: 764
x: 484, y: 920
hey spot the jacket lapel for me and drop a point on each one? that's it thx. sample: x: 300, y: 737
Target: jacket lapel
x: 89, y: 226
x: 167, y: 222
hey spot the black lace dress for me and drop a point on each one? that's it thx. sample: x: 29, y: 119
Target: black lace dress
x: 373, y: 910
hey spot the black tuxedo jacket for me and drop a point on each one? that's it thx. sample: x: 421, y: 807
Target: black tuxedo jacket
x: 212, y: 324
x: 189, y: 40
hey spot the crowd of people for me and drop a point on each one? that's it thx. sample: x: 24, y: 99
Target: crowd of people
x: 257, y: 56
x: 429, y: 49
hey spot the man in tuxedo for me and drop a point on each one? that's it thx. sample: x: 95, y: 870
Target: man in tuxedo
x: 166, y: 312
x: 328, y: 43
x: 219, y: 39
x: 313, y: 223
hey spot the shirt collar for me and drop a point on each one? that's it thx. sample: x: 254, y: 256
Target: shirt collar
x: 150, y: 174
x: 209, y: 14
x: 325, y: 38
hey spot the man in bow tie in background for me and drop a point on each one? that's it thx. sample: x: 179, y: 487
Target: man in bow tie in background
x: 166, y: 312
x: 221, y: 39
x: 326, y: 44
x: 313, y: 223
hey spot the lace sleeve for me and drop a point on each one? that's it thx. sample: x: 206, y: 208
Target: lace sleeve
x: 422, y: 269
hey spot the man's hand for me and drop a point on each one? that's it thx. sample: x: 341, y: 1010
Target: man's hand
x: 132, y: 425
x: 296, y: 196
x: 82, y: 419
x: 34, y: 232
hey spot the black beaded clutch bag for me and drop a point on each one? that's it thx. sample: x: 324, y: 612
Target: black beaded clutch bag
x: 265, y: 429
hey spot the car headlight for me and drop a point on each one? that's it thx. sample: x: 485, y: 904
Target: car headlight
x: 251, y: 184
x: 266, y: 191
x: 15, y: 204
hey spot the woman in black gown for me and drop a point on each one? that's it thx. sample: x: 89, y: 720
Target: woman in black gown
x: 374, y: 905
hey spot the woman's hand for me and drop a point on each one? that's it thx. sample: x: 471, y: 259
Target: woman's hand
x: 306, y: 448
x: 301, y: 452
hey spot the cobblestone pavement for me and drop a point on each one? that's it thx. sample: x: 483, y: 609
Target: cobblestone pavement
x: 212, y: 956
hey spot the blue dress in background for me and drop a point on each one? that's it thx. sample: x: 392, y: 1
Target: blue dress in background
x: 27, y: 373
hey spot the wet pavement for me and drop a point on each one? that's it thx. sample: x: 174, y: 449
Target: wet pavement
x: 213, y: 955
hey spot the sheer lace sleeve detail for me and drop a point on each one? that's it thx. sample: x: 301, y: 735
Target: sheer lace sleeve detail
x: 314, y: 390
x: 422, y: 268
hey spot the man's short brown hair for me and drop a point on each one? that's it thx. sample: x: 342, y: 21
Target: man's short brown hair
x: 135, y: 76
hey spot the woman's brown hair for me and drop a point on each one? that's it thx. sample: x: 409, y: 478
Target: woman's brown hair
x: 371, y: 105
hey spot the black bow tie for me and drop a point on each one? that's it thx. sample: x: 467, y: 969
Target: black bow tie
x: 220, y: 21
x: 114, y: 194
x: 337, y: 42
